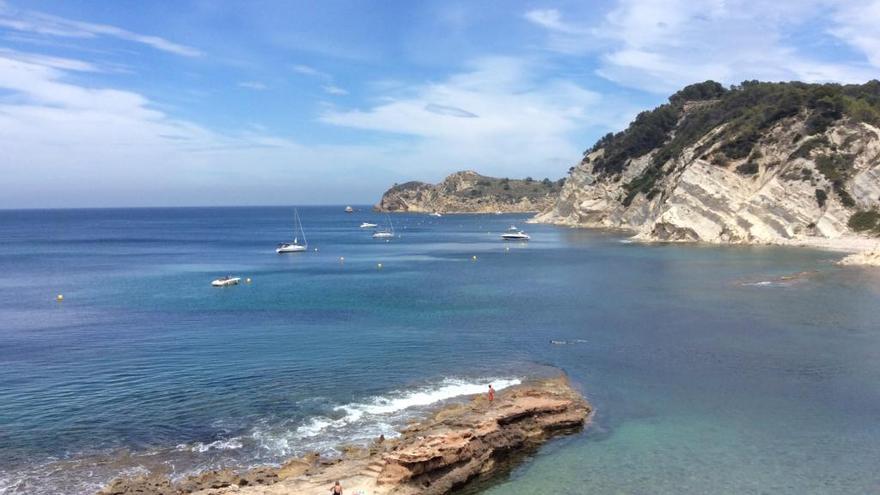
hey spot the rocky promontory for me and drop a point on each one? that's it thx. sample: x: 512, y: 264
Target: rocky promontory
x: 460, y: 443
x: 470, y: 192
x: 771, y: 163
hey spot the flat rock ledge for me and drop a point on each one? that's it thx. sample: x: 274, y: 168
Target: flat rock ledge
x: 867, y: 258
x: 458, y: 444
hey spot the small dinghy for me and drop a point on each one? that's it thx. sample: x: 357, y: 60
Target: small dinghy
x: 226, y: 281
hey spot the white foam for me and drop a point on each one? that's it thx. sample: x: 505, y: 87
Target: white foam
x: 362, y: 421
x: 230, y: 444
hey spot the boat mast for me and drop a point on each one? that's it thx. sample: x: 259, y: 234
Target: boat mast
x: 301, y: 231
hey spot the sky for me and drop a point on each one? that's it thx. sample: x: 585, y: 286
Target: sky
x: 196, y: 102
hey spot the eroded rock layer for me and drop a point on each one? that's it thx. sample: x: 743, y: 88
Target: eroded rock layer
x: 458, y: 444
x: 760, y: 163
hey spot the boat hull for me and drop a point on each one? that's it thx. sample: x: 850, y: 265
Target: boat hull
x: 226, y: 282
x: 291, y: 249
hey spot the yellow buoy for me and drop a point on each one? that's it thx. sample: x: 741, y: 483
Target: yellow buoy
x: 59, y: 297
x: 379, y: 266
x: 474, y: 258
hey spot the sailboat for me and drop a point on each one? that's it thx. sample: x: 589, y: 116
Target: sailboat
x: 386, y: 233
x: 295, y: 246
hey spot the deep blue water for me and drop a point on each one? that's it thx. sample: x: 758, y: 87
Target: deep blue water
x: 710, y: 373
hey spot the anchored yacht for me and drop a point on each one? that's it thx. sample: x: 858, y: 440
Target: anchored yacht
x: 518, y: 235
x: 295, y: 246
x: 226, y: 281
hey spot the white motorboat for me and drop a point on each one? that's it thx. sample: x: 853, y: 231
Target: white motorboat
x: 515, y: 236
x: 368, y: 225
x: 386, y: 233
x: 436, y: 214
x: 226, y: 281
x: 349, y: 209
x: 295, y: 246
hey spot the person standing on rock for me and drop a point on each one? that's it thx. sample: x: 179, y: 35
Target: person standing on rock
x: 491, y: 394
x: 336, y: 490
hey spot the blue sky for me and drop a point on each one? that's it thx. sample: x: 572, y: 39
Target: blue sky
x: 132, y: 103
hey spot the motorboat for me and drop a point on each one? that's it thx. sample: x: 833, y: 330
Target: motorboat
x: 349, y: 209
x: 226, y: 281
x: 295, y: 246
x: 368, y: 225
x: 515, y: 236
x: 436, y: 214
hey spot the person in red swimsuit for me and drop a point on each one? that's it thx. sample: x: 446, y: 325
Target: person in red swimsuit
x: 491, y: 394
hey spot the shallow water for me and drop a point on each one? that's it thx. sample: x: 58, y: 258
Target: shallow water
x: 711, y: 372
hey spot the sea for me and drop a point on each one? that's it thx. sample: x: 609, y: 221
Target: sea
x: 712, y: 369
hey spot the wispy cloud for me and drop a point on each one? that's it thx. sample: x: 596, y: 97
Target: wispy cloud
x: 331, y: 89
x: 661, y: 45
x: 310, y: 71
x: 499, y: 116
x: 49, y: 25
x: 254, y: 85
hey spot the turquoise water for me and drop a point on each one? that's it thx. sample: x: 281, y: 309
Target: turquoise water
x: 710, y: 371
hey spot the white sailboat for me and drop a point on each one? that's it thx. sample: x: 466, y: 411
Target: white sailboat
x: 295, y: 246
x: 226, y: 281
x: 386, y: 233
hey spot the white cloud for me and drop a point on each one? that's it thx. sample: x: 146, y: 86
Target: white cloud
x: 551, y: 19
x: 498, y: 117
x: 662, y: 45
x: 49, y: 25
x: 334, y: 90
x: 65, y: 144
x: 254, y: 85
x: 858, y: 24
x: 310, y: 71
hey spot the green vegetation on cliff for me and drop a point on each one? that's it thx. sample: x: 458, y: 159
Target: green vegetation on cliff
x: 745, y: 111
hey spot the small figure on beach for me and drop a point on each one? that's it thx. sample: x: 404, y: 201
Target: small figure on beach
x: 491, y: 394
x: 337, y: 489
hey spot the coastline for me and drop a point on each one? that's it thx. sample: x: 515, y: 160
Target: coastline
x: 458, y: 443
x: 848, y: 245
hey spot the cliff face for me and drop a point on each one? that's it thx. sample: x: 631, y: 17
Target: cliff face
x: 470, y: 192
x: 763, y: 163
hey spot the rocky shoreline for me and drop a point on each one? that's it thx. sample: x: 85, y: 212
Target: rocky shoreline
x: 458, y: 444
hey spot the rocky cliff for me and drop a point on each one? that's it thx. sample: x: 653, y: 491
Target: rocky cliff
x: 756, y: 163
x: 459, y: 444
x: 470, y: 192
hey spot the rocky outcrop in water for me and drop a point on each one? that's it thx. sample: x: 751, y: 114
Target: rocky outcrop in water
x: 867, y: 258
x: 779, y: 163
x: 470, y: 192
x: 459, y: 444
